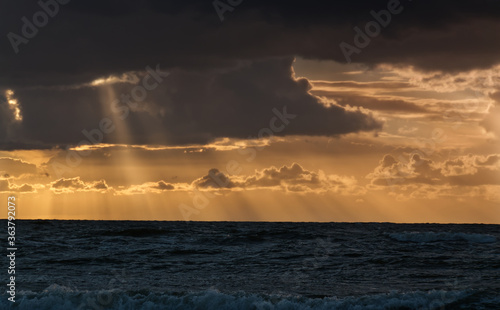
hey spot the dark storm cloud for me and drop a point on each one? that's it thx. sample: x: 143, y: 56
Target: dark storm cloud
x: 8, y: 124
x: 256, y: 99
x: 86, y: 39
x: 223, y: 86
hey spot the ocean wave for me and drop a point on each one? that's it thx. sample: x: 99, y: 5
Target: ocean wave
x: 441, y: 236
x: 61, y: 298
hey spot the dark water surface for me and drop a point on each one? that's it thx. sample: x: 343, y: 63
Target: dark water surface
x: 239, y: 265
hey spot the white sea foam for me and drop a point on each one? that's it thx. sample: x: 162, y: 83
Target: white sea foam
x: 57, y: 298
x: 442, y: 236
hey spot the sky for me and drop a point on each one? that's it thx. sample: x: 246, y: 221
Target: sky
x: 249, y: 110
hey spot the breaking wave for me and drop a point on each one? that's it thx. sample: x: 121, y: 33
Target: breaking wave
x: 61, y: 298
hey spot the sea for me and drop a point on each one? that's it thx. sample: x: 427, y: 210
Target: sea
x: 252, y: 265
